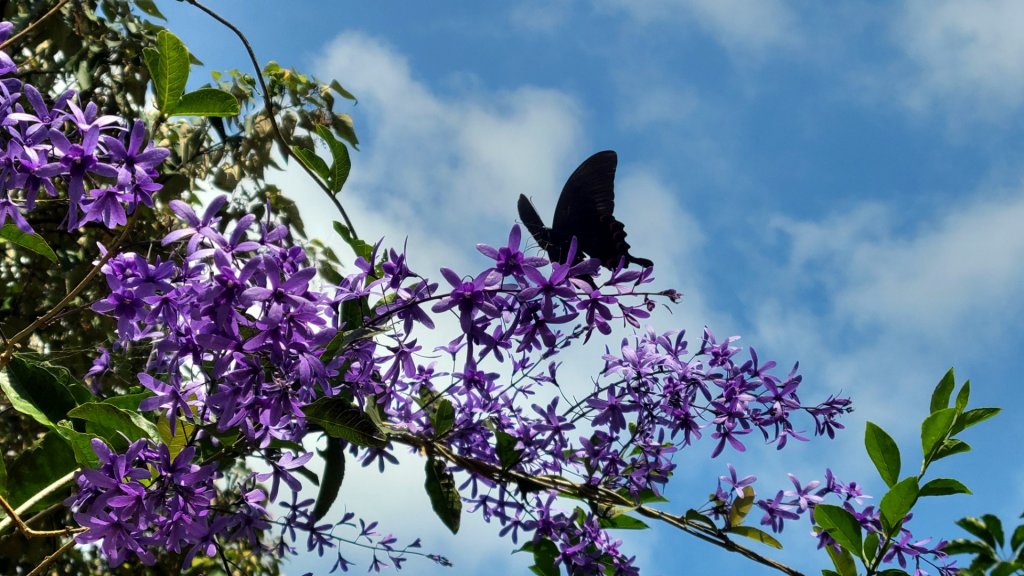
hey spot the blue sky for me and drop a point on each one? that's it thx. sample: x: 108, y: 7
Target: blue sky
x: 839, y: 183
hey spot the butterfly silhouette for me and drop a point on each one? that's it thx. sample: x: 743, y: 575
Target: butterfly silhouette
x: 585, y: 210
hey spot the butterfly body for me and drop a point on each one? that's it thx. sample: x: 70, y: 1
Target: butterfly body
x: 585, y: 210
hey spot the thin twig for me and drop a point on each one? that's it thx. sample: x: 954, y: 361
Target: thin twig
x: 49, y: 559
x: 14, y: 515
x: 29, y: 28
x: 270, y: 111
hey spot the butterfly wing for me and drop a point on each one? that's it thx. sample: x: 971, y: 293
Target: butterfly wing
x: 586, y: 210
x: 541, y: 233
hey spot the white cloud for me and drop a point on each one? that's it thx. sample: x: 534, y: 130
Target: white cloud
x: 748, y: 27
x: 966, y: 54
x: 650, y: 102
x: 448, y: 167
x: 959, y: 274
x: 542, y: 16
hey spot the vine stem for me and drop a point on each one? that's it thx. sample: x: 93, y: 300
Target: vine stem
x: 588, y: 492
x: 286, y: 148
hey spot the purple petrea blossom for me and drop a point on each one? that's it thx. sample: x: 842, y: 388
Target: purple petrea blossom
x: 69, y: 146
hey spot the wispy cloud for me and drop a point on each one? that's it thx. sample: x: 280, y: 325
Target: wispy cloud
x: 969, y: 55
x: 743, y: 27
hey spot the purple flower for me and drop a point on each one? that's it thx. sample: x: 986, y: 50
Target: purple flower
x: 804, y: 498
x: 172, y: 397
x: 139, y: 160
x: 106, y: 207
x: 737, y: 484
x: 77, y: 161
x: 10, y: 211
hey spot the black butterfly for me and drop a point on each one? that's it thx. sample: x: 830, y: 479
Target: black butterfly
x: 585, y: 210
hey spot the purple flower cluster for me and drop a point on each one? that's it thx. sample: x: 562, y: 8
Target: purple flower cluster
x: 789, y: 505
x: 236, y: 335
x: 107, y: 169
x: 131, y: 508
x: 238, y: 344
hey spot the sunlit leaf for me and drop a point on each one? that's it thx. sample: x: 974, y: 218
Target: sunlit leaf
x: 31, y: 242
x: 883, y: 452
x: 840, y: 525
x: 755, y: 534
x: 206, y: 102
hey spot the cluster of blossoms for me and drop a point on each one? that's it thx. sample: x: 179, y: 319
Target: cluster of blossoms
x: 107, y: 169
x: 792, y: 504
x: 241, y: 343
x: 236, y: 335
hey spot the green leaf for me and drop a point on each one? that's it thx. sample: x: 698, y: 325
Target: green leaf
x: 332, y: 477
x: 308, y: 475
x: 149, y: 7
x: 741, y: 507
x: 898, y: 501
x: 344, y: 127
x: 341, y: 91
x: 128, y: 401
x: 444, y: 495
x: 168, y: 67
x: 179, y: 440
x: 883, y: 452
x: 645, y: 496
x: 995, y: 527
x: 346, y: 338
x: 109, y: 422
x: 1005, y: 568
x: 341, y: 164
x: 755, y: 534
x: 972, y: 417
x: 341, y: 418
x: 81, y: 444
x: 40, y: 390
x: 206, y: 102
x: 696, y: 517
x: 963, y: 396
x: 622, y: 522
x: 545, y: 556
x: 28, y: 241
x: 840, y: 525
x: 965, y: 546
x: 934, y: 430
x: 442, y: 418
x: 943, y: 390
x: 893, y: 572
x: 50, y: 459
x: 1017, y: 540
x: 843, y: 561
x: 949, y: 447
x: 506, y: 449
x: 870, y: 547
x: 943, y: 487
x: 310, y: 160
x: 360, y: 248
x: 978, y: 528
